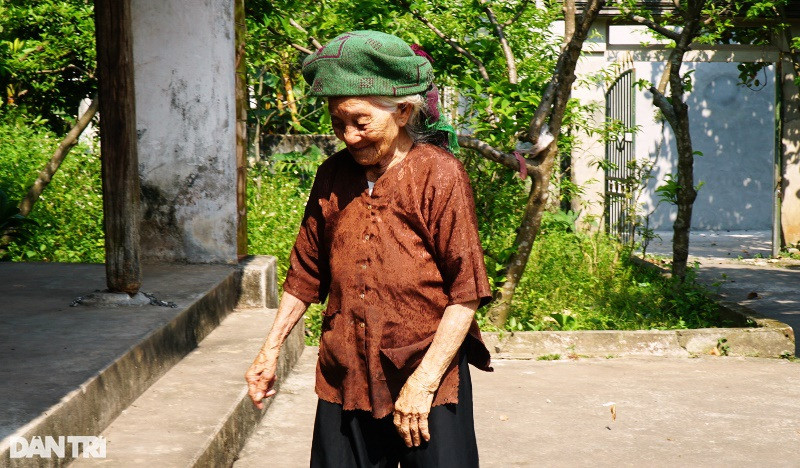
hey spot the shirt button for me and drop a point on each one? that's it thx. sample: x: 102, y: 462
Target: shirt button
x: 366, y: 237
x: 369, y: 206
x: 364, y: 266
x: 361, y: 324
x: 361, y: 295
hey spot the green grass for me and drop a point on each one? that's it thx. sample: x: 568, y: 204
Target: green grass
x: 275, y: 203
x: 578, y: 281
x: 549, y: 357
x: 70, y: 211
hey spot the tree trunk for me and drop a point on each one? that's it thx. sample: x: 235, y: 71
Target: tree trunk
x: 119, y: 159
x: 569, y: 20
x: 676, y: 112
x: 46, y: 175
x: 686, y: 191
x: 241, y: 129
x: 561, y: 84
x: 288, y: 85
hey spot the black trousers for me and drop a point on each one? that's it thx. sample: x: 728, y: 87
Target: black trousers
x: 356, y: 439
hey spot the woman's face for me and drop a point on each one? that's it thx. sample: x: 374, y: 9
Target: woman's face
x: 371, y: 132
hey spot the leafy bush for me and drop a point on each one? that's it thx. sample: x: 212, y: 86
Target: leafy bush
x: 276, y: 197
x: 69, y: 214
x: 47, y: 58
x: 578, y: 281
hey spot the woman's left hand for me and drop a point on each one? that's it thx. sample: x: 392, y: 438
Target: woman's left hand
x: 411, y: 411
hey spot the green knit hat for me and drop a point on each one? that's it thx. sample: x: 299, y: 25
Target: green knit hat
x: 367, y: 63
x: 372, y: 63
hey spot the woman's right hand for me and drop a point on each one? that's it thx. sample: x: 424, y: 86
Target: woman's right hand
x: 261, y: 378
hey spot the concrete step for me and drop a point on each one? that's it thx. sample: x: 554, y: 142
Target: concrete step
x: 284, y: 435
x: 198, y: 413
x: 70, y: 371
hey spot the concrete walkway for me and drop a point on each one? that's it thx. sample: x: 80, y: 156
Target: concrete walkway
x: 708, y: 411
x: 50, y: 352
x: 737, y: 266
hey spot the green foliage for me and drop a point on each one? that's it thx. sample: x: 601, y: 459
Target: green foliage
x: 47, y: 58
x: 668, y: 191
x: 12, y: 223
x: 276, y: 197
x: 723, y: 348
x: 755, y: 23
x: 275, y: 60
x: 68, y: 215
x: 578, y: 281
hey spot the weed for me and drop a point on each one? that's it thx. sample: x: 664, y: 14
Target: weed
x: 722, y: 348
x: 549, y: 357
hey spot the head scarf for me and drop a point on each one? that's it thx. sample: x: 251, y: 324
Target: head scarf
x: 372, y: 63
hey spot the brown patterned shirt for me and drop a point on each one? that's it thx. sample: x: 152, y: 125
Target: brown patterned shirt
x: 390, y: 263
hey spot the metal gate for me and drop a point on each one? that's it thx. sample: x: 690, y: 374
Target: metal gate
x: 621, y: 116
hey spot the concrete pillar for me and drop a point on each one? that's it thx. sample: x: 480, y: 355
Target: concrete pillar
x: 186, y: 124
x: 790, y: 139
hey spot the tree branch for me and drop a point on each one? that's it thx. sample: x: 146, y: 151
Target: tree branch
x: 311, y: 39
x: 569, y: 20
x: 655, y: 27
x: 554, y: 88
x: 545, y: 105
x: 665, y: 106
x: 501, y: 36
x: 520, y: 10
x: 450, y: 41
x: 493, y: 154
x: 46, y: 174
x: 301, y: 48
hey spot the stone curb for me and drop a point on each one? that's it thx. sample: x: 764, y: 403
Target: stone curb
x: 244, y: 417
x: 755, y: 336
x: 259, y: 282
x: 750, y: 342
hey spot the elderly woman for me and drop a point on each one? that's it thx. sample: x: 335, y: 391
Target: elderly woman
x: 389, y: 235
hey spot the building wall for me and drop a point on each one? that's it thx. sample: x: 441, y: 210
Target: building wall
x: 790, y: 140
x: 185, y: 106
x: 733, y: 126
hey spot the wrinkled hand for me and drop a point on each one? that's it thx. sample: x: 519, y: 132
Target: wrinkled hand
x: 411, y: 411
x: 261, y: 378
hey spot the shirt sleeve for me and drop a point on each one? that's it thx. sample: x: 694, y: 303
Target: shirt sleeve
x: 308, y: 277
x: 455, y: 233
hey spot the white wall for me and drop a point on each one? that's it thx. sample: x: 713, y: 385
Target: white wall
x: 185, y: 106
x: 734, y: 127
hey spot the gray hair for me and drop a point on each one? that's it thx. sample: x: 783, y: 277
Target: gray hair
x: 416, y: 126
